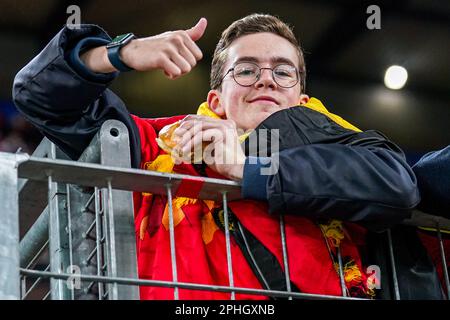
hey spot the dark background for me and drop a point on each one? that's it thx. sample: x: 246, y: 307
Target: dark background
x: 345, y: 60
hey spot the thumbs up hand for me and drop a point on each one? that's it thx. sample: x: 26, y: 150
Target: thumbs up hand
x: 197, y: 31
x: 174, y: 52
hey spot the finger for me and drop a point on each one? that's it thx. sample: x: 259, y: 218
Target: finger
x: 197, y: 31
x: 196, y: 142
x: 206, y: 122
x: 193, y: 48
x: 187, y: 122
x: 181, y: 62
x: 187, y: 55
x: 171, y: 70
x: 188, y: 129
x: 194, y: 124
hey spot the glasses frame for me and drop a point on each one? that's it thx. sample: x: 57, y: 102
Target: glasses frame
x: 297, y: 72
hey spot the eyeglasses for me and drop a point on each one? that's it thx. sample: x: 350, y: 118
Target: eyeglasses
x: 247, y: 74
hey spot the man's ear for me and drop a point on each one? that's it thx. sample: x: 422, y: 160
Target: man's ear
x: 304, y: 98
x: 214, y: 103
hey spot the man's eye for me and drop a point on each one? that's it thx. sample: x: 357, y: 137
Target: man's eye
x: 245, y: 72
x: 284, y: 73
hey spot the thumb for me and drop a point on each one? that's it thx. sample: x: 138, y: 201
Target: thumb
x: 197, y: 31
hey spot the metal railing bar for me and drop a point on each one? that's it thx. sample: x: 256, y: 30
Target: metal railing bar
x: 427, y: 221
x: 85, y: 234
x: 228, y: 244
x: 35, y: 238
x: 88, y: 203
x: 35, y: 283
x: 69, y: 231
x: 112, y: 254
x: 96, y: 175
x: 47, y: 295
x: 105, y: 240
x: 394, y: 271
x: 184, y: 285
x: 54, y: 287
x: 173, y: 257
x: 341, y: 272
x: 89, y: 287
x: 98, y: 241
x: 90, y: 256
x: 23, y: 286
x: 443, y: 260
x: 38, y: 254
x: 285, y: 255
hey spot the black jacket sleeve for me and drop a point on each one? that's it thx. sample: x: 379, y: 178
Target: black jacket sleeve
x: 325, y: 171
x: 433, y: 175
x: 65, y: 106
x: 350, y: 183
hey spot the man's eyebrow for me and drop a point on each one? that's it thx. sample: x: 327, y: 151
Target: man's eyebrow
x: 272, y: 60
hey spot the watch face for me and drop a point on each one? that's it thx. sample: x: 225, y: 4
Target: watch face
x: 120, y: 40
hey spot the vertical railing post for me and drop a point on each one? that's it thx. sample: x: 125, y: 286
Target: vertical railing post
x: 341, y: 272
x: 59, y: 248
x: 285, y: 254
x: 443, y: 260
x: 119, y: 216
x: 99, y: 241
x: 81, y: 214
x: 228, y: 244
x: 82, y: 208
x: 173, y: 254
x: 9, y: 228
x: 394, y: 271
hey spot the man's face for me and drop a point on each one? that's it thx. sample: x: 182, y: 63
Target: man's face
x: 249, y: 106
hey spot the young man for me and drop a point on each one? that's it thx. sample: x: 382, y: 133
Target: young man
x: 326, y: 168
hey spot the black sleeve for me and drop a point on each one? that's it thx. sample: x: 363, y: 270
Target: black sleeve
x: 433, y: 175
x: 320, y: 169
x: 65, y: 106
x: 347, y: 182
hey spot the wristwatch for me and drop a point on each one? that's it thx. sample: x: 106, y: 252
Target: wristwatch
x: 114, y: 47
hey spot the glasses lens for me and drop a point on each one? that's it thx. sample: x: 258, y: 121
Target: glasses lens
x: 285, y: 75
x: 245, y: 73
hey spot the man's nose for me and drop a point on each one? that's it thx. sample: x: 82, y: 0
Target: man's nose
x: 266, y: 79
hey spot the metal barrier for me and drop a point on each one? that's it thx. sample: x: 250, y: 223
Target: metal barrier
x: 83, y: 224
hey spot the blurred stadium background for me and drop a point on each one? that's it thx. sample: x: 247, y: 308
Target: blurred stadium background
x: 345, y: 60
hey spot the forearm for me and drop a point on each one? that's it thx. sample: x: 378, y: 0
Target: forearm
x: 96, y: 60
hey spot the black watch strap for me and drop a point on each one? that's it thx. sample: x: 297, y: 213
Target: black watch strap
x: 113, y: 49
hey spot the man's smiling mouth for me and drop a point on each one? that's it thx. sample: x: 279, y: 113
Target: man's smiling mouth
x: 263, y: 99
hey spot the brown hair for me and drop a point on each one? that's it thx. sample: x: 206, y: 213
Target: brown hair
x: 254, y: 23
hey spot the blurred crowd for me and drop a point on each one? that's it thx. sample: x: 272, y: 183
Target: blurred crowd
x: 16, y: 133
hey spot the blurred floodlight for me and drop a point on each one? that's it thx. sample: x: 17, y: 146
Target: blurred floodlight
x: 395, y: 77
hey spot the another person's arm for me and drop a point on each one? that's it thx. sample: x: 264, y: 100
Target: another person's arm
x: 369, y: 182
x: 433, y: 176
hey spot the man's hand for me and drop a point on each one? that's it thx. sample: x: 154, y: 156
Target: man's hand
x: 223, y: 153
x: 174, y: 52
